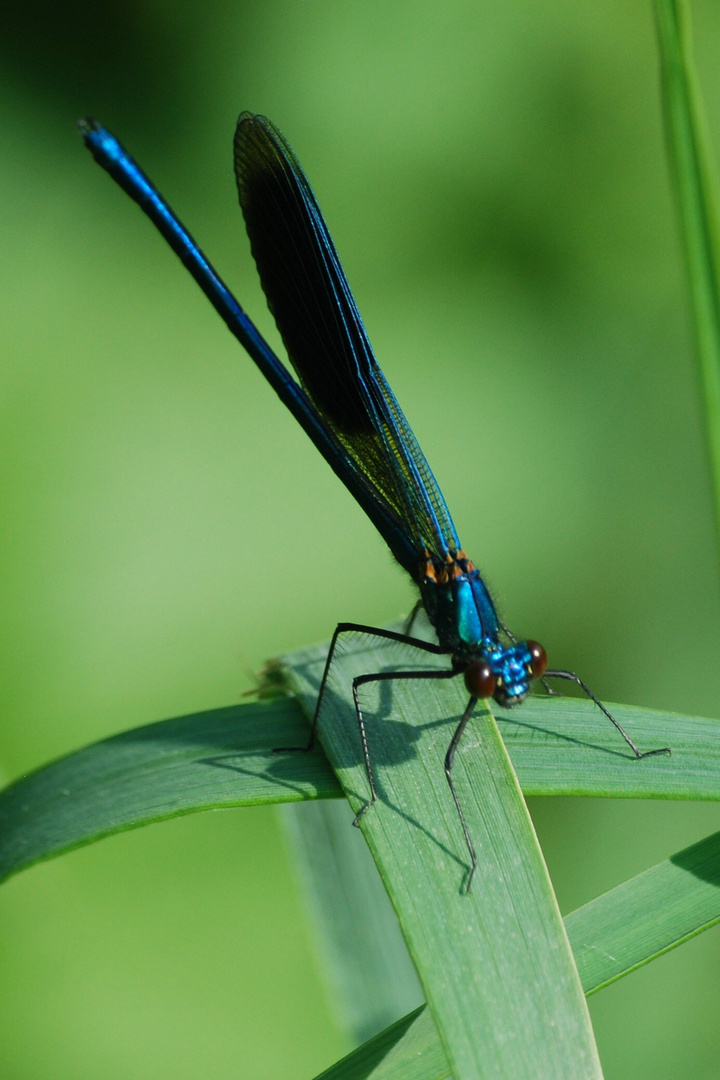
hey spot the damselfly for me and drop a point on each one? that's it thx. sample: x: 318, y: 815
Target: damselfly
x: 344, y: 403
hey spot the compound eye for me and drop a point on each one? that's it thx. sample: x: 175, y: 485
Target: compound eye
x: 539, y: 660
x: 479, y: 679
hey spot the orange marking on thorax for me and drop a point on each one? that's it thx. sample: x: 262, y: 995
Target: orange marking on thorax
x: 453, y: 567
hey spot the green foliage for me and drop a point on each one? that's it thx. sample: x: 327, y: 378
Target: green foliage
x: 483, y: 959
x: 640, y: 913
x: 223, y: 758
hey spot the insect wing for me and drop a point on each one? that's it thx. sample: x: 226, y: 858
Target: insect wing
x: 325, y: 339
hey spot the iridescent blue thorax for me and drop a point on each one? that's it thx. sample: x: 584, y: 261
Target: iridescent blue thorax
x: 461, y: 610
x: 458, y: 604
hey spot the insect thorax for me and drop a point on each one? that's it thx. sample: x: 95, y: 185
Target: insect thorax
x: 458, y: 605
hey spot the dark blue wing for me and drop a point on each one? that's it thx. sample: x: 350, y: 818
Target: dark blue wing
x: 309, y: 296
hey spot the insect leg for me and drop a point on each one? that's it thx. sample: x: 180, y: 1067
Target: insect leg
x: 355, y: 628
x: 572, y: 677
x: 382, y: 676
x: 449, y: 758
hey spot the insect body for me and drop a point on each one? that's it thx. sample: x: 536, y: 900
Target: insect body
x: 344, y: 403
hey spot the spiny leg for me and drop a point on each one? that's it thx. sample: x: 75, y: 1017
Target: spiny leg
x: 382, y: 676
x: 361, y: 680
x: 449, y: 758
x: 356, y: 628
x: 572, y: 677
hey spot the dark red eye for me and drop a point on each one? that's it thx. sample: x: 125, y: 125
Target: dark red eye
x: 539, y: 661
x: 479, y: 679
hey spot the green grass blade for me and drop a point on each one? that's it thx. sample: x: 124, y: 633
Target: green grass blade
x: 567, y: 747
x: 647, y: 916
x: 224, y: 758
x: 409, y: 1049
x: 611, y: 936
x: 558, y: 746
x: 370, y: 975
x: 214, y: 759
x: 496, y: 966
x: 695, y: 183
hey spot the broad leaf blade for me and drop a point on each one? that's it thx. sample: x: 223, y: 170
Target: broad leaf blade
x: 224, y: 758
x: 556, y: 746
x: 205, y: 761
x: 495, y: 965
x: 611, y: 936
x: 370, y: 975
x: 565, y: 746
x: 647, y: 915
x: 409, y: 1049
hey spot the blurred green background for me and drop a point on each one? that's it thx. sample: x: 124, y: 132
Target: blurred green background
x: 495, y: 180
